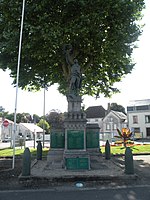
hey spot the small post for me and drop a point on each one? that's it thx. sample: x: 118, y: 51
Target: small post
x: 107, y: 150
x: 26, y: 168
x: 39, y: 151
x: 129, y: 167
x: 34, y: 135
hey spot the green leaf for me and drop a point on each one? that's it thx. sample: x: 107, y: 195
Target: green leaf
x: 102, y: 34
x: 119, y: 132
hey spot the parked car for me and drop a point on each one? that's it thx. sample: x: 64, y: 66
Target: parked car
x: 46, y: 138
x: 28, y: 137
x: 6, y: 139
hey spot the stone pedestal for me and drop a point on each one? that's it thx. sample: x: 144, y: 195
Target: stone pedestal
x: 92, y: 144
x: 92, y: 138
x: 55, y: 159
x: 57, y: 145
x: 75, y: 154
x: 76, y: 147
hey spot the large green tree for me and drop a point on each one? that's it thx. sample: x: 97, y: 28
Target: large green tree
x: 102, y: 34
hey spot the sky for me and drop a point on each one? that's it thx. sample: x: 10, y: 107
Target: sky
x: 133, y: 87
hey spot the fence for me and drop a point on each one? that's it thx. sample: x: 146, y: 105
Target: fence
x: 104, y: 136
x: 110, y: 136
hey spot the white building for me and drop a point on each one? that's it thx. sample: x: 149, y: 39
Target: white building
x: 138, y: 112
x: 6, y: 131
x: 22, y: 129
x: 108, y: 121
x: 29, y: 130
x: 95, y: 115
x: 111, y: 122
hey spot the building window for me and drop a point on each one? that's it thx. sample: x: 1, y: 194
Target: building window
x: 115, y: 126
x: 147, y: 118
x: 135, y: 119
x: 130, y: 108
x: 148, y: 132
x: 137, y: 133
x: 107, y: 126
x: 142, y: 107
x: 136, y: 130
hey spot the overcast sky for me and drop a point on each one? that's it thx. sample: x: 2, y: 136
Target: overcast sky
x: 134, y: 86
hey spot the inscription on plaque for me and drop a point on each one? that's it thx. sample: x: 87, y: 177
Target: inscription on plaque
x: 57, y: 140
x: 75, y: 139
x: 77, y: 163
x: 92, y: 139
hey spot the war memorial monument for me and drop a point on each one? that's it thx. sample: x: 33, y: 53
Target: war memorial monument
x: 76, y: 144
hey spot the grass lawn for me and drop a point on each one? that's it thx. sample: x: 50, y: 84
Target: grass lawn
x: 114, y: 150
x: 135, y: 149
x: 19, y: 152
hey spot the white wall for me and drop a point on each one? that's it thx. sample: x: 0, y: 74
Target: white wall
x: 95, y: 121
x: 8, y: 131
x: 141, y: 121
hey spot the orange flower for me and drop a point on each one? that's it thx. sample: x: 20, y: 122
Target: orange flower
x: 125, y: 134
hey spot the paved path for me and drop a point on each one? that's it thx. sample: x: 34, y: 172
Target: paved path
x: 143, y: 158
x: 142, y: 168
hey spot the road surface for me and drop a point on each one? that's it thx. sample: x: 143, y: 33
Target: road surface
x: 131, y: 193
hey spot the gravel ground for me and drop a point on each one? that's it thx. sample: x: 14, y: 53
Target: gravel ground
x: 9, y: 177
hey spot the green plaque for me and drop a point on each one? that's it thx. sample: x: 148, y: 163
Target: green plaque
x: 75, y: 139
x: 77, y: 163
x: 71, y: 163
x: 92, y: 139
x: 83, y: 163
x: 57, y: 140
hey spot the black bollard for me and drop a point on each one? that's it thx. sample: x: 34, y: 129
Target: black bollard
x: 129, y: 167
x: 26, y: 165
x: 107, y: 150
x: 39, y: 151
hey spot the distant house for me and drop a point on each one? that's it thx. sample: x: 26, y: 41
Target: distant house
x: 111, y: 122
x: 138, y: 112
x: 6, y: 131
x: 26, y: 130
x: 95, y: 115
x: 29, y: 129
x: 108, y: 120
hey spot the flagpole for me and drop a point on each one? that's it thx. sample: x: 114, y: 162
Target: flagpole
x: 44, y: 119
x: 18, y: 66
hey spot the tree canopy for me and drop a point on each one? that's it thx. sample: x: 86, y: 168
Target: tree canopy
x: 102, y: 34
x: 44, y: 124
x: 2, y: 109
x: 117, y: 107
x: 55, y: 119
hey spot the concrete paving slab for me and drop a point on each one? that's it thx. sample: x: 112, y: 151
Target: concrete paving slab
x: 110, y: 172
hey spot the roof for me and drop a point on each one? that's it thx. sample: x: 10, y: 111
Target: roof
x: 139, y: 102
x: 95, y: 112
x: 32, y: 127
x: 120, y: 115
